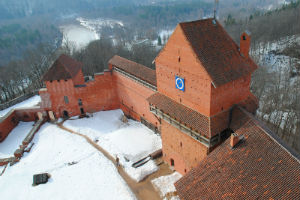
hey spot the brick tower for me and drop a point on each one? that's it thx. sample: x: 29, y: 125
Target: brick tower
x: 201, y: 74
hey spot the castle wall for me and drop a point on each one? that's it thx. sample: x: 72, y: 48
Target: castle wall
x: 183, y: 149
x: 132, y: 98
x: 99, y: 94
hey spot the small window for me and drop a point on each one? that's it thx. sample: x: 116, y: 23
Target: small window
x: 66, y: 99
x: 58, y: 80
x: 180, y: 144
x: 66, y: 80
x: 79, y: 102
x: 184, y: 170
x: 14, y: 120
x: 50, y: 81
x: 244, y: 37
x: 172, y: 162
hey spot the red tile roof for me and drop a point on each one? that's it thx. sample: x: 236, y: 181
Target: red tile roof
x: 261, y: 167
x: 140, y: 71
x: 63, y: 68
x: 181, y: 113
x: 216, y: 50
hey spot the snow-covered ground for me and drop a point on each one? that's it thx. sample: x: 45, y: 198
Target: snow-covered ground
x: 78, y: 171
x: 130, y: 141
x: 165, y: 185
x: 96, y: 24
x: 33, y: 101
x: 265, y: 52
x: 14, y: 139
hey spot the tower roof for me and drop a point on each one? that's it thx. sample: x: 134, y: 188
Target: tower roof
x: 217, y: 52
x: 63, y: 68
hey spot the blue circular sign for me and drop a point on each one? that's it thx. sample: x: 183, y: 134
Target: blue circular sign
x: 179, y: 83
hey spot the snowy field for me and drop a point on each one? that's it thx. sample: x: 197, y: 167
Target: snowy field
x: 14, y: 139
x: 33, y: 101
x: 78, y: 171
x: 165, y: 185
x: 129, y: 142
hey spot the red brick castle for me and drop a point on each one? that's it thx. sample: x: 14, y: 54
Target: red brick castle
x: 198, y: 96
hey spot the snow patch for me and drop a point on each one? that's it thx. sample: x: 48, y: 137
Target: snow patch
x: 33, y: 101
x: 165, y: 184
x: 78, y: 171
x: 130, y: 141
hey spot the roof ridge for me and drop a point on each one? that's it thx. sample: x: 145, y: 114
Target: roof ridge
x: 64, y: 66
x: 272, y: 135
x: 194, y: 50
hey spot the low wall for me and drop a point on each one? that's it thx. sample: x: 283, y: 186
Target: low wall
x: 7, y: 124
x: 11, y: 119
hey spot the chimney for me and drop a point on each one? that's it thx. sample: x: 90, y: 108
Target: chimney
x: 245, y: 44
x: 234, y: 139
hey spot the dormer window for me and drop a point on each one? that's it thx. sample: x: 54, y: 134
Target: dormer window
x: 244, y: 37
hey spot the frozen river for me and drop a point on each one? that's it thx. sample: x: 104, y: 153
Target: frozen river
x: 84, y: 30
x: 78, y: 35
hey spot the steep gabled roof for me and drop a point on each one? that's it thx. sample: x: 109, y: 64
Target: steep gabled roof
x: 260, y: 167
x: 216, y: 50
x: 140, y: 71
x: 63, y: 68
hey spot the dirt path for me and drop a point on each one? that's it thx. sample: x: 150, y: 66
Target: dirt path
x: 142, y: 190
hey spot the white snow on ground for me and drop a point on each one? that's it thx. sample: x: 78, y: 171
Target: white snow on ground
x: 14, y: 139
x: 92, y: 176
x: 96, y: 24
x: 165, y: 184
x: 130, y: 141
x: 33, y: 101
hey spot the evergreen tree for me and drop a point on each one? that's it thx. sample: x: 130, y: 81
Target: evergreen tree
x: 159, y: 41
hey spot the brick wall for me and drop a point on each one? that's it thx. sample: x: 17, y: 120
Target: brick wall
x: 132, y: 98
x: 29, y: 114
x: 12, y: 119
x: 225, y: 96
x: 99, y: 94
x: 178, y: 59
x: 59, y: 90
x: 7, y: 124
x: 183, y: 149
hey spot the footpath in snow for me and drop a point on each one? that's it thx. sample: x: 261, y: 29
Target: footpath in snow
x: 78, y: 171
x: 33, y: 101
x: 129, y: 142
